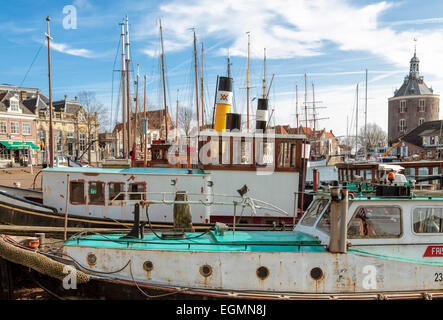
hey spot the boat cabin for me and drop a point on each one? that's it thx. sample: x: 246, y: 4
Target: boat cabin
x: 396, y: 226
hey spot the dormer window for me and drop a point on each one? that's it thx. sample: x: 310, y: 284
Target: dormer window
x: 14, y: 107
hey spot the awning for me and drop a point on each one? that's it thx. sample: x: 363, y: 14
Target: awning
x: 17, y: 145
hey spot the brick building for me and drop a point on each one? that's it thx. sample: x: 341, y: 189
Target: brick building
x: 18, y: 121
x: 412, y: 104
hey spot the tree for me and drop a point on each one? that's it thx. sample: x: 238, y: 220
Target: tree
x: 92, y: 108
x: 185, y: 118
x: 375, y: 137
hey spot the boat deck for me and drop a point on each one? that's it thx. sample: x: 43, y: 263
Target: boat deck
x: 238, y: 241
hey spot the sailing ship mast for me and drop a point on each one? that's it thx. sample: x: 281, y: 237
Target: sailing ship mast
x: 247, y: 82
x: 176, y: 120
x: 264, y: 75
x: 366, y: 111
x: 202, y: 95
x: 196, y: 80
x: 164, y: 82
x: 145, y: 127
x: 128, y: 87
x: 296, y: 108
x: 356, y: 126
x: 51, y: 132
x: 136, y: 108
x: 125, y: 153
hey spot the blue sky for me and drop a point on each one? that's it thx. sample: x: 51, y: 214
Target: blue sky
x: 333, y: 41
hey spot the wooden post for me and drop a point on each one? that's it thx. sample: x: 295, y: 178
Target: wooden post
x: 164, y: 83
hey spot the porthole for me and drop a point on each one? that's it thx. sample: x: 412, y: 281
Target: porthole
x: 205, y: 270
x: 91, y: 258
x: 148, y: 265
x: 316, y: 273
x: 262, y: 272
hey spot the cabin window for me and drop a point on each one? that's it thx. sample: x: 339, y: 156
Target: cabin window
x: 428, y: 220
x: 264, y: 152
x: 325, y: 222
x: 77, y: 192
x: 314, y: 211
x: 375, y: 222
x: 116, y: 191
x: 96, y: 193
x: 286, y: 155
x: 242, y: 151
x: 137, y: 191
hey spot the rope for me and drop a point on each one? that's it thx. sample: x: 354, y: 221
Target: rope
x: 32, y: 63
x: 12, y: 251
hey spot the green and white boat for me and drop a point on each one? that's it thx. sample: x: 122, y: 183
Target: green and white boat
x: 385, y: 245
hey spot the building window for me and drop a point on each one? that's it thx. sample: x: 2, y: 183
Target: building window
x: 96, y: 193
x: 59, y: 141
x: 14, y: 105
x: 428, y: 220
x: 14, y: 127
x: 5, y: 154
x: 421, y: 121
x: 116, y: 191
x: 82, y: 141
x: 3, y: 127
x: 402, y: 106
x: 421, y: 104
x: 26, y: 128
x: 77, y: 192
x: 402, y: 125
x: 375, y: 222
x: 42, y: 114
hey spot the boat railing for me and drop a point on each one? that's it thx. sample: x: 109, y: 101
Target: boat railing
x: 208, y: 201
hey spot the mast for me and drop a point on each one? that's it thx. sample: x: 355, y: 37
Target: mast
x: 296, y: 108
x: 202, y: 95
x: 125, y: 153
x: 313, y: 111
x: 145, y: 132
x: 164, y: 84
x: 366, y: 111
x: 176, y: 120
x: 128, y: 87
x: 196, y: 80
x: 229, y: 66
x: 264, y: 75
x: 136, y: 107
x: 247, y: 82
x: 356, y: 126
x: 51, y: 132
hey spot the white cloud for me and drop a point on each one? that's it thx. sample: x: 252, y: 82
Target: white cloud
x: 62, y: 47
x: 306, y: 28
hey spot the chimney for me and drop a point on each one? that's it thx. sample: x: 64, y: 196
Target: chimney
x: 66, y: 97
x: 75, y: 98
x: 23, y: 95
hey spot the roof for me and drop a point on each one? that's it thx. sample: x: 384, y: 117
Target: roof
x: 68, y: 106
x: 413, y: 87
x: 428, y: 128
x: 5, y: 102
x: 147, y: 171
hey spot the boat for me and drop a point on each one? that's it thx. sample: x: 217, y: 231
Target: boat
x: 384, y: 245
x: 210, y: 166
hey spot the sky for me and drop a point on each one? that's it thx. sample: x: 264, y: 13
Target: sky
x: 333, y: 42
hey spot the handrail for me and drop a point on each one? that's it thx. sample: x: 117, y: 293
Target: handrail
x: 245, y: 201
